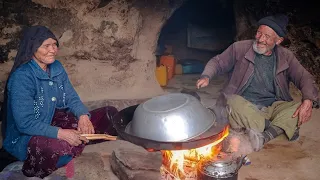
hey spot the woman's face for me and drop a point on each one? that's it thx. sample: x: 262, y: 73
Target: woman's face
x: 46, y: 53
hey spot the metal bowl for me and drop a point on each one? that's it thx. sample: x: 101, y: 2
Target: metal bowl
x: 175, y: 117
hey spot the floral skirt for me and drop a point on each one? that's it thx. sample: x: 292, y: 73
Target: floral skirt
x: 43, y: 153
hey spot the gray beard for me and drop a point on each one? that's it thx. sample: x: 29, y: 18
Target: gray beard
x: 257, y: 50
x: 260, y: 51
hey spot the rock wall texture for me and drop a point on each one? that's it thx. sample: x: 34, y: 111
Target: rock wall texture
x: 106, y: 46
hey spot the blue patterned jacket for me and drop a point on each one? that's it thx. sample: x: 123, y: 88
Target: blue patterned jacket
x: 33, y: 97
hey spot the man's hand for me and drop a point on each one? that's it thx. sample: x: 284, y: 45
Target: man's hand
x: 203, y: 82
x: 304, y: 112
x: 84, y: 125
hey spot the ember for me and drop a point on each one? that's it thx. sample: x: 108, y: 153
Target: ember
x: 182, y: 164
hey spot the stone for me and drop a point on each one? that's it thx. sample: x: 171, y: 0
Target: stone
x: 139, y: 160
x: 106, y: 150
x: 127, y: 160
x: 133, y: 163
x: 128, y: 168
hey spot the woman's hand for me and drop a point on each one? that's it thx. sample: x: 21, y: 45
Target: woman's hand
x: 84, y: 125
x: 73, y: 137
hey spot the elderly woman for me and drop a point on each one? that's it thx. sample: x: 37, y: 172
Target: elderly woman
x: 44, y: 116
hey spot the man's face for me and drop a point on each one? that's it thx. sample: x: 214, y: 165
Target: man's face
x: 266, y: 39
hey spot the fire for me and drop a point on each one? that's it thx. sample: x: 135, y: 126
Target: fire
x: 178, y: 162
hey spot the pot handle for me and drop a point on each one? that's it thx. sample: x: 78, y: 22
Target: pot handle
x: 243, y: 160
x: 227, y: 107
x: 213, y: 113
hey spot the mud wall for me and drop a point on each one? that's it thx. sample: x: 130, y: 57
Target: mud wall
x: 107, y: 47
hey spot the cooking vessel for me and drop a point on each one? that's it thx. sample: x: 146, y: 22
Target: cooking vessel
x: 220, y: 169
x: 124, y: 117
x: 172, y: 117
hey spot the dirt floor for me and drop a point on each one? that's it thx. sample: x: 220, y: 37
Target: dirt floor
x: 280, y: 159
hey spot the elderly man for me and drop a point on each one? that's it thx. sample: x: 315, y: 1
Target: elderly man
x: 258, y: 88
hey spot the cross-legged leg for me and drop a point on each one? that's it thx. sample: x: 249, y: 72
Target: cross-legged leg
x: 244, y: 114
x: 281, y: 116
x: 45, y: 155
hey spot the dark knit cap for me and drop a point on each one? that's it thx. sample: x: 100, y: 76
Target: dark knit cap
x: 277, y: 22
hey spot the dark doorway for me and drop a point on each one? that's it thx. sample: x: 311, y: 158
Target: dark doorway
x: 196, y: 32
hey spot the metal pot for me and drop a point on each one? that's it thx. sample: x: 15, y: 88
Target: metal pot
x: 174, y: 117
x: 124, y: 117
x: 225, y: 169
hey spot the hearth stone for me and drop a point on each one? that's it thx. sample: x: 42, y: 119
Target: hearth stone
x: 136, y: 164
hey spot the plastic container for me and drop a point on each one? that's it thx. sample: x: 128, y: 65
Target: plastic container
x: 192, y: 67
x: 178, y: 69
x: 161, y: 75
x: 169, y: 62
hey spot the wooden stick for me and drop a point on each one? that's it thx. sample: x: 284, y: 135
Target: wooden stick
x: 99, y: 136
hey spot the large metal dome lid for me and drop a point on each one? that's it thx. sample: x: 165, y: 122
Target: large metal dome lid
x: 172, y: 117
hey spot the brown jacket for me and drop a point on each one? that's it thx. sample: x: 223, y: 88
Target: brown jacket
x: 238, y: 61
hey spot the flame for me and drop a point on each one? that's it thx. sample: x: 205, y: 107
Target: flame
x: 178, y: 160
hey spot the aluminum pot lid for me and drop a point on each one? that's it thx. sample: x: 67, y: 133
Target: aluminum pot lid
x: 166, y: 102
x: 174, y: 117
x: 126, y: 115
